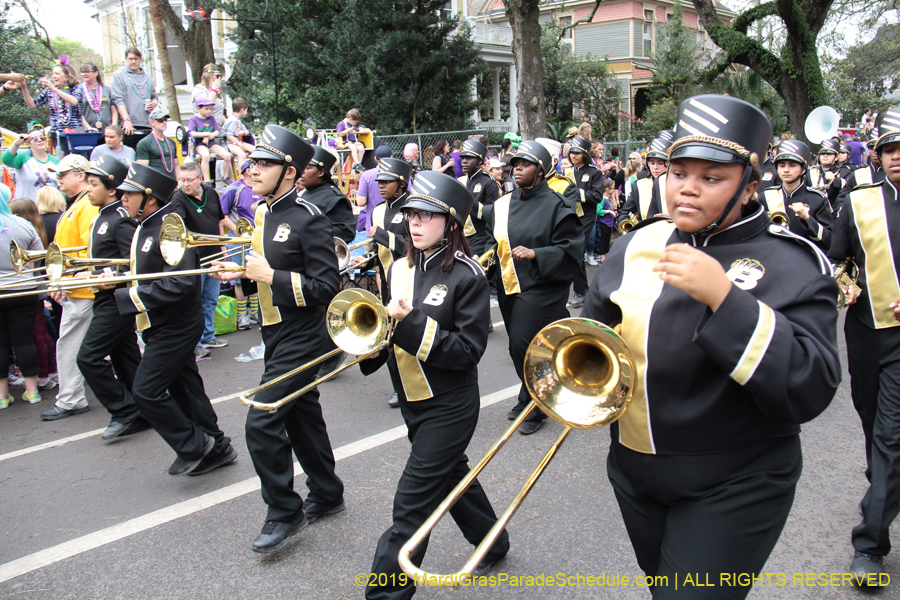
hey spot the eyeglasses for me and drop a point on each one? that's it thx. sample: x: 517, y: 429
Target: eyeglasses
x: 424, y: 216
x: 36, y: 138
x: 188, y: 179
x: 264, y: 163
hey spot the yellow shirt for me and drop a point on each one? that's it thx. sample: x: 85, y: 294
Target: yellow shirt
x: 74, y: 229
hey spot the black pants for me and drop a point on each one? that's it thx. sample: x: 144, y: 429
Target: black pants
x: 874, y: 365
x: 110, y: 335
x: 525, y: 314
x: 17, y: 333
x: 711, y: 515
x: 580, y: 285
x: 439, y: 430
x: 168, y: 390
x: 298, y: 425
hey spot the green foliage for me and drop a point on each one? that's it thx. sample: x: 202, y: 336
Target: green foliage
x: 662, y: 114
x: 850, y: 91
x: 77, y: 52
x: 750, y: 86
x: 402, y: 64
x: 677, y: 60
x: 21, y: 54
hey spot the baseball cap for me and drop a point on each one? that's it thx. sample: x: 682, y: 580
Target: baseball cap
x: 495, y: 163
x: 158, y: 114
x: 203, y: 102
x: 70, y: 162
x: 244, y: 166
x: 383, y: 152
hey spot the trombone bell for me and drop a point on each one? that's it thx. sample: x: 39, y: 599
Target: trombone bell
x: 627, y: 225
x: 175, y: 239
x: 779, y: 218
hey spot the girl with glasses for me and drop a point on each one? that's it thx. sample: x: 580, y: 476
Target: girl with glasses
x: 31, y: 164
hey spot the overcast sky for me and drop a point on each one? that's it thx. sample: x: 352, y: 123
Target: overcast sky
x: 67, y: 18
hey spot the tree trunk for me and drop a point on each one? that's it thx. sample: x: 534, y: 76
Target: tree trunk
x: 159, y: 32
x: 526, y: 47
x: 195, y: 42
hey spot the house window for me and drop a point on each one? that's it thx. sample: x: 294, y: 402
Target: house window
x: 648, y: 39
x: 563, y: 23
x: 648, y: 15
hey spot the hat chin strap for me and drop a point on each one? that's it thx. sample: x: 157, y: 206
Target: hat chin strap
x: 534, y: 181
x: 140, y: 211
x: 748, y: 170
x: 284, y: 169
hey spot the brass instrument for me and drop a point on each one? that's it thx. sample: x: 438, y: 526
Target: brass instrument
x: 627, y: 225
x: 343, y: 252
x: 357, y: 323
x: 20, y: 258
x: 174, y: 238
x: 779, y: 218
x: 59, y: 263
x: 847, y: 275
x: 579, y: 372
x: 489, y: 258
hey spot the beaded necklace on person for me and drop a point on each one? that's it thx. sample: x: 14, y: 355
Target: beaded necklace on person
x: 138, y: 87
x: 56, y: 104
x: 162, y: 157
x: 95, y: 102
x: 200, y: 206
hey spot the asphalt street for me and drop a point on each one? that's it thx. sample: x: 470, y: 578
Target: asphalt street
x: 84, y: 519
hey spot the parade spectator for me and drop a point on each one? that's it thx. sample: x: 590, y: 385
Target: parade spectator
x: 457, y: 159
x: 133, y: 92
x: 32, y: 165
x: 238, y: 200
x: 236, y: 134
x: 411, y: 156
x: 346, y: 131
x: 207, y: 136
x: 367, y: 195
x: 442, y: 162
x: 114, y: 135
x: 62, y: 93
x: 156, y: 150
x: 858, y: 154
x: 96, y: 104
x: 50, y: 203
x: 210, y: 88
x: 495, y: 170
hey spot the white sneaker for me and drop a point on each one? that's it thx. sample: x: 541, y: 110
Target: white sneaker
x: 243, y: 322
x: 589, y: 259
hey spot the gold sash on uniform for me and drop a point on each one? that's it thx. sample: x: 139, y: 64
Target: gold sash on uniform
x: 881, y: 272
x: 579, y: 208
x: 385, y: 253
x: 270, y: 313
x: 504, y: 250
x: 141, y: 319
x: 645, y: 195
x: 863, y: 176
x: 775, y: 201
x: 415, y: 385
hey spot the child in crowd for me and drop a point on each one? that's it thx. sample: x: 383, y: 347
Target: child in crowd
x: 606, y: 215
x: 207, y: 137
x: 235, y: 132
x: 346, y: 131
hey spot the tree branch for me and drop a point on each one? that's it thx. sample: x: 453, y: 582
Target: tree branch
x: 173, y: 22
x: 36, y: 25
x: 743, y: 21
x: 590, y: 17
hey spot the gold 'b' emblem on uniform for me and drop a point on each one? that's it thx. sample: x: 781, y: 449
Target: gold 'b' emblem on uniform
x: 148, y: 243
x: 103, y: 227
x: 398, y: 218
x: 436, y: 295
x: 282, y: 233
x: 746, y: 273
x: 477, y: 188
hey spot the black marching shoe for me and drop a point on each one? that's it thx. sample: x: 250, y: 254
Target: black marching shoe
x: 183, y: 466
x: 515, y: 411
x: 55, y: 413
x: 275, y: 534
x: 576, y: 301
x: 314, y: 510
x: 214, y: 461
x: 529, y: 427
x: 119, y: 425
x: 331, y: 364
x: 866, y: 569
x: 394, y: 400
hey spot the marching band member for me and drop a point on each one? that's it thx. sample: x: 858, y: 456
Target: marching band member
x: 732, y: 323
x: 868, y: 231
x: 858, y: 176
x: 388, y: 227
x: 439, y: 298
x: 111, y: 334
x: 769, y: 176
x: 644, y: 199
x: 294, y: 264
x: 807, y: 208
x: 483, y: 190
x: 321, y: 192
x: 168, y: 389
x: 825, y: 176
x: 563, y: 184
x: 539, y: 251
x: 589, y: 179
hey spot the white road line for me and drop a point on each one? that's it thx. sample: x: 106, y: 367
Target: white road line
x: 47, y: 557
x: 81, y: 436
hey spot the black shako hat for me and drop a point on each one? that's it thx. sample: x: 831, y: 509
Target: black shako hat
x: 666, y: 134
x: 280, y: 143
x: 393, y: 169
x: 141, y: 178
x: 440, y: 193
x: 888, y: 125
x: 794, y: 150
x: 110, y: 169
x: 323, y: 159
x: 721, y: 129
x: 659, y: 148
x: 536, y: 153
x: 873, y: 137
x: 474, y: 149
x: 829, y: 147
x: 579, y: 144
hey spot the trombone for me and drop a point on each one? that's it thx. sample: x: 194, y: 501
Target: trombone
x: 627, y: 225
x: 19, y: 258
x: 343, y: 252
x: 847, y: 275
x: 579, y: 372
x: 59, y: 264
x: 175, y: 239
x: 357, y: 323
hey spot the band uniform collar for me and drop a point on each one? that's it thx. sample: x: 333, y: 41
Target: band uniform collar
x: 292, y: 193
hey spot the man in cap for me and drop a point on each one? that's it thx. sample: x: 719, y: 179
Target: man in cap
x: 319, y: 190
x: 111, y: 334
x: 239, y: 201
x: 479, y: 184
x: 868, y: 232
x: 156, y: 150
x: 539, y: 250
x: 806, y: 209
x: 73, y: 229
x: 731, y: 321
x: 367, y: 193
x: 168, y: 389
x: 589, y: 180
x: 647, y: 197
x: 294, y: 264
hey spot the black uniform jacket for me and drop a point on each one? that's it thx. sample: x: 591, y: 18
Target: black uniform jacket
x: 645, y: 200
x: 589, y: 179
x: 543, y: 222
x: 111, y: 236
x: 485, y: 190
x: 818, y: 228
x: 707, y: 382
x: 296, y: 239
x: 826, y: 180
x: 164, y: 300
x: 390, y: 230
x: 335, y: 205
x: 861, y: 176
x: 437, y: 346
x: 565, y: 186
x: 868, y: 231
x: 769, y: 177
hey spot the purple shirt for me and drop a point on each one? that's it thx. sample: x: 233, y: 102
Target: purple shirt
x: 203, y: 125
x: 343, y: 126
x: 368, y: 187
x: 457, y: 163
x: 856, y: 152
x: 238, y: 199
